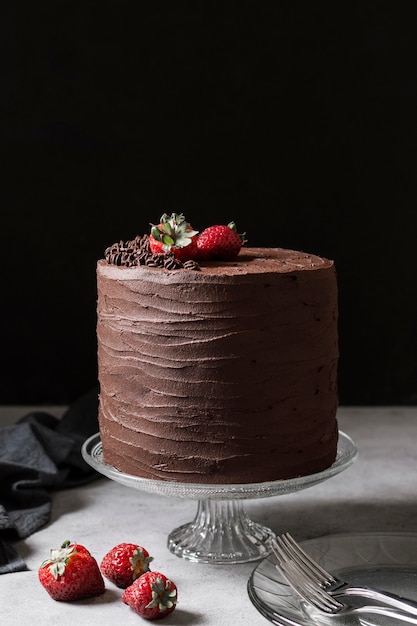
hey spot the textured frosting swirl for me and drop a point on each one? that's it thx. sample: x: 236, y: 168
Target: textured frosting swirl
x: 225, y: 375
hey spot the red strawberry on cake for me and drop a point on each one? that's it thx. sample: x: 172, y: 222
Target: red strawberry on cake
x: 124, y: 563
x: 71, y: 573
x: 174, y: 234
x: 219, y: 242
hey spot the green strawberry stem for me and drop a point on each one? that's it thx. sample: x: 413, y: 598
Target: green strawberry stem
x: 173, y: 231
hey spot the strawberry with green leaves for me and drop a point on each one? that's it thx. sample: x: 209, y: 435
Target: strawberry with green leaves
x: 151, y: 596
x: 124, y: 563
x: 71, y: 573
x: 174, y: 234
x: 219, y: 243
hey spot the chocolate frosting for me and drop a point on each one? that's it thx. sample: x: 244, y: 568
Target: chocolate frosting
x: 223, y: 375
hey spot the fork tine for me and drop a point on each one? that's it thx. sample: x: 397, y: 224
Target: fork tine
x: 294, y: 554
x: 305, y: 561
x: 310, y: 592
x: 293, y: 551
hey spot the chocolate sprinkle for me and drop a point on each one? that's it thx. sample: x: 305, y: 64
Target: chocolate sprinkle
x: 137, y: 251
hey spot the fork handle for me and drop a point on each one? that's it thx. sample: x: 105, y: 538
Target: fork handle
x: 390, y: 613
x: 385, y: 597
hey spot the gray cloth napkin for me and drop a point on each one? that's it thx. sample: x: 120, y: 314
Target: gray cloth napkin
x: 39, y: 454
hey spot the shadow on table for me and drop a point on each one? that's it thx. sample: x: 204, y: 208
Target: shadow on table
x: 308, y: 519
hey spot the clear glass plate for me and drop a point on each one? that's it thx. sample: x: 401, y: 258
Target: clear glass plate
x: 384, y: 560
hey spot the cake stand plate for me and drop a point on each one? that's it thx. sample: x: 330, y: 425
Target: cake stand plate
x: 221, y: 532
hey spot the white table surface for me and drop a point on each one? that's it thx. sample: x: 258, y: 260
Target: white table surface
x: 377, y: 493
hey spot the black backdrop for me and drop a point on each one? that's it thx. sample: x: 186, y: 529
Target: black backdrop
x: 295, y: 119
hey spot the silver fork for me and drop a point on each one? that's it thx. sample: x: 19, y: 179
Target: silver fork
x: 313, y: 582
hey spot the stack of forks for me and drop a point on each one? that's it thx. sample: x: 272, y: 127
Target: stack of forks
x: 322, y: 590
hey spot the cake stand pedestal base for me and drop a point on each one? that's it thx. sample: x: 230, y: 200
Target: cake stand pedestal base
x: 221, y: 532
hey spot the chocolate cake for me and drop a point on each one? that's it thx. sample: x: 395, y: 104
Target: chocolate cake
x: 220, y: 372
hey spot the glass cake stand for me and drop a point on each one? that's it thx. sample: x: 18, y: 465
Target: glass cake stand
x: 221, y: 531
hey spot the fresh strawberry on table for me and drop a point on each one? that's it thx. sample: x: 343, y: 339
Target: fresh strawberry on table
x: 174, y: 234
x: 71, y: 573
x: 219, y: 242
x: 152, y: 595
x: 124, y: 563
